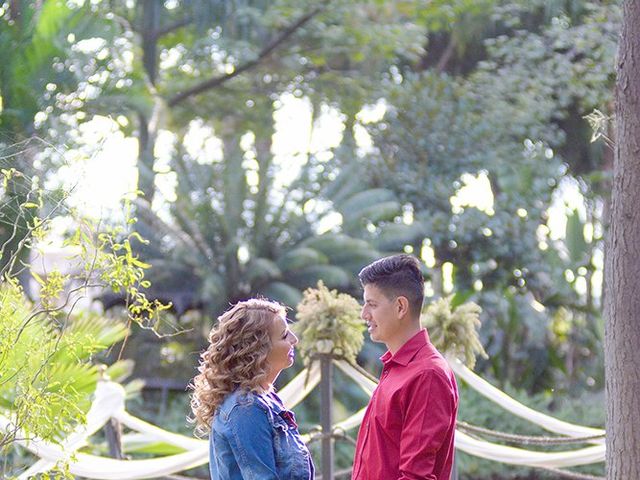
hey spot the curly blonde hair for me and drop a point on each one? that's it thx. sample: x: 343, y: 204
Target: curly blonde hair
x: 236, y: 357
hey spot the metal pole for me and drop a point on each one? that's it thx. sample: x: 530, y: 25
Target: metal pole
x: 112, y: 428
x: 113, y: 433
x: 326, y: 415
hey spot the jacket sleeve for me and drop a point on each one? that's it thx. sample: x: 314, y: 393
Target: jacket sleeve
x: 251, y: 439
x: 429, y: 416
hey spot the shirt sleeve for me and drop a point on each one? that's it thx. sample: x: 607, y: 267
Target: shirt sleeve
x: 251, y: 440
x: 429, y: 415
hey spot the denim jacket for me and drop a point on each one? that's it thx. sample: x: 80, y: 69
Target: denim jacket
x: 253, y: 437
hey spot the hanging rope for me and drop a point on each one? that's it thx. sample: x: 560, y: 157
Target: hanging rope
x: 363, y: 372
x: 505, y: 401
x: 317, y: 435
x: 573, y: 475
x: 525, y: 439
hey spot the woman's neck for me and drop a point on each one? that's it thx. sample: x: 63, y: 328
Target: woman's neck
x: 270, y: 380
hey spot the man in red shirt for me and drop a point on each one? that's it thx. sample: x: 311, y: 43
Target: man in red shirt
x: 408, y: 428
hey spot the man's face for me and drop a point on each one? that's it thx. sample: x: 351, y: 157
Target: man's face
x: 381, y: 315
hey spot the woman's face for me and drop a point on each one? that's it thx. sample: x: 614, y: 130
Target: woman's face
x: 283, y: 340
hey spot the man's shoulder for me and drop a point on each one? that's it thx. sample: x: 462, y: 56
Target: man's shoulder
x: 430, y: 358
x: 430, y: 363
x: 438, y: 369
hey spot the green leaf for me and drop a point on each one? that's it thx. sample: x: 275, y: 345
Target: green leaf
x: 363, y: 201
x: 262, y: 269
x: 335, y: 244
x: 301, y: 258
x: 281, y: 292
x: 135, y: 445
x: 345, y: 185
x: 460, y: 297
x: 120, y: 370
x: 394, y: 236
x: 332, y: 276
x: 37, y: 278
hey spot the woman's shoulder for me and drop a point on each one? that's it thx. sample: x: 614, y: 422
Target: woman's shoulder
x: 242, y: 400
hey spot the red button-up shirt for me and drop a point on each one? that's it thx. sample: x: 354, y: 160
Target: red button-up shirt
x: 408, y: 428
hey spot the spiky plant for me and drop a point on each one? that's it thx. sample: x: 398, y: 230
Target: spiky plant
x: 453, y: 329
x: 329, y: 323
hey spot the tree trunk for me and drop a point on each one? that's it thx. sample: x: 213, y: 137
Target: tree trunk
x: 263, y: 144
x: 17, y: 218
x: 234, y: 194
x: 622, y: 307
x: 146, y: 158
x: 150, y: 27
x: 148, y: 125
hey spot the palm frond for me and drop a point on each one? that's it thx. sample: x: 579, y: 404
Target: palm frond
x: 302, y: 257
x: 373, y: 214
x: 281, y: 292
x: 332, y: 276
x: 364, y: 200
x: 335, y: 245
x: 261, y: 270
x: 46, y: 376
x: 88, y: 333
x: 120, y: 370
x: 346, y: 184
x: 394, y: 236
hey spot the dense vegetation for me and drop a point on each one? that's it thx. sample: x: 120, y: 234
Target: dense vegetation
x: 482, y: 164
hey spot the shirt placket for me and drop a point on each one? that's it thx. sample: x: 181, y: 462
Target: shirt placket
x: 383, y: 376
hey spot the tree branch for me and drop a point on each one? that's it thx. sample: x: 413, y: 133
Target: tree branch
x: 264, y: 53
x: 170, y: 28
x: 447, y: 54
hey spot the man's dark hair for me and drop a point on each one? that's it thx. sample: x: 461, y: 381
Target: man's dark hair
x: 398, y: 275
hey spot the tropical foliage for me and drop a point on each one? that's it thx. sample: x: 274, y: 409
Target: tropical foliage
x: 478, y: 159
x: 227, y: 238
x: 47, y: 375
x: 49, y: 348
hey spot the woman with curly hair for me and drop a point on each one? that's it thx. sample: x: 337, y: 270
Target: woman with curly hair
x: 251, y: 434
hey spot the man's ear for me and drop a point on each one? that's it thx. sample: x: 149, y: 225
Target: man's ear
x: 402, y: 305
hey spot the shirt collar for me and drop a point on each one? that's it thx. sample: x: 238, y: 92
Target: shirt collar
x: 404, y: 355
